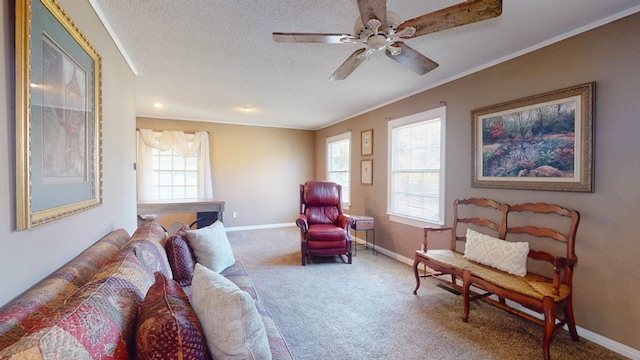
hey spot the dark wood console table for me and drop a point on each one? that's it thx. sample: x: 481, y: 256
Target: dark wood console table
x: 182, y: 206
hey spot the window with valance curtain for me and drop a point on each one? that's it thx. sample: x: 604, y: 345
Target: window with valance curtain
x: 173, y: 165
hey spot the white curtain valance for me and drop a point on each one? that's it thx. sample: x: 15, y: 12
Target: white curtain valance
x: 173, y: 139
x: 176, y: 140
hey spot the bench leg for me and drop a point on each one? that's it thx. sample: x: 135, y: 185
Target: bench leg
x: 549, y: 325
x: 466, y: 285
x: 416, y: 262
x: 571, y: 321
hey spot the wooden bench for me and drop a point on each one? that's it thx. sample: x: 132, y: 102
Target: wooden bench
x: 547, y: 286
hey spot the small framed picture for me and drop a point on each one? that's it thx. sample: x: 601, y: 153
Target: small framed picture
x: 366, y: 145
x: 366, y: 172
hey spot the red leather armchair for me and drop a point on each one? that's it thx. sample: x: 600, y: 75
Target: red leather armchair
x: 324, y: 228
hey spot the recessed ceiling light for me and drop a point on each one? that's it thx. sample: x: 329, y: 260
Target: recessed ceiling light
x: 157, y: 105
x: 247, y: 108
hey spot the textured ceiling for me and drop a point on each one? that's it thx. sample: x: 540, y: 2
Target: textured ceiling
x: 207, y: 59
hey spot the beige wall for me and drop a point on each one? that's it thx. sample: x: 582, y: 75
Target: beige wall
x: 606, y: 280
x: 256, y: 170
x: 29, y: 255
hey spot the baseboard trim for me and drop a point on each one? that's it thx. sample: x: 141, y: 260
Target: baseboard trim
x: 612, y: 345
x: 258, y: 227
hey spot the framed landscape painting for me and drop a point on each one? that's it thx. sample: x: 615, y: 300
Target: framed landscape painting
x: 58, y: 120
x: 542, y: 142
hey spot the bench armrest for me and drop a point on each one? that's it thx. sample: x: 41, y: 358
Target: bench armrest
x: 429, y: 229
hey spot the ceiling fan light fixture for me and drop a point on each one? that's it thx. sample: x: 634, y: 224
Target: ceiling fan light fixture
x: 377, y: 42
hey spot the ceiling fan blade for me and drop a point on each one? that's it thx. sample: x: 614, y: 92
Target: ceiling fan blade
x: 452, y: 16
x: 370, y: 9
x: 308, y: 38
x: 349, y: 65
x: 412, y: 59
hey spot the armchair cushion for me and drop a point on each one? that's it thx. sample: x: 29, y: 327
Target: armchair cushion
x: 326, y: 232
x: 319, y: 193
x: 322, y: 214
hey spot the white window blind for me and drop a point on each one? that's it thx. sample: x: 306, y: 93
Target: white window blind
x: 339, y: 163
x: 416, y: 176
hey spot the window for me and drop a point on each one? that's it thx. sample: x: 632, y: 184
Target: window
x: 339, y: 163
x: 416, y: 168
x: 173, y: 165
x: 174, y: 176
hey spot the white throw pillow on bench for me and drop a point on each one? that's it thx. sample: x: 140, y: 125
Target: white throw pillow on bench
x: 504, y: 255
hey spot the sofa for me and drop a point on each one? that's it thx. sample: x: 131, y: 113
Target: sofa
x: 118, y: 299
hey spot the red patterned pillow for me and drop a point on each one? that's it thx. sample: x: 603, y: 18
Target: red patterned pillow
x: 181, y: 259
x: 168, y: 328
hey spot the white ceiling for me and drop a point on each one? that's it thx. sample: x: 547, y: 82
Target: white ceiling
x: 205, y: 60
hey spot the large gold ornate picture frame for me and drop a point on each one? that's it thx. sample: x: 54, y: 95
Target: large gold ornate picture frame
x: 542, y: 142
x: 58, y: 116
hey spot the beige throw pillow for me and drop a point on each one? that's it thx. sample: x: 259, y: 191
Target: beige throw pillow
x: 504, y: 255
x: 232, y: 325
x: 211, y: 246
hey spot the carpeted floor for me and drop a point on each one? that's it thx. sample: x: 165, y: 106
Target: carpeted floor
x: 366, y: 310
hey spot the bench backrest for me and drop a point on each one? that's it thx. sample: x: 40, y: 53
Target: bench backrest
x: 477, y: 213
x: 538, y: 221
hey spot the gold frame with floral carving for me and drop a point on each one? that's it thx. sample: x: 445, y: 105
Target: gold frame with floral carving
x: 58, y: 116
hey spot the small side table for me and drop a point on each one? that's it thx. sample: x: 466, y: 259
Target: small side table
x: 366, y: 224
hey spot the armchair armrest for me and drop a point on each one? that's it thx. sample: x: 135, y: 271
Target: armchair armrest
x: 302, y: 223
x: 345, y: 221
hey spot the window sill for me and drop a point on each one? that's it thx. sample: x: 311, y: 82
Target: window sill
x: 412, y: 222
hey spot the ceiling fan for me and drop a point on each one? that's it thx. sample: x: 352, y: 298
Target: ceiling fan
x: 378, y: 29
